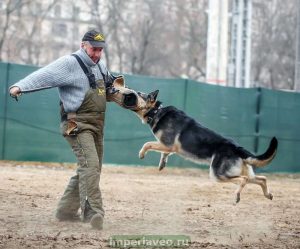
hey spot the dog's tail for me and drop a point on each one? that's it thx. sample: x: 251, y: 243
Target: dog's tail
x: 263, y: 159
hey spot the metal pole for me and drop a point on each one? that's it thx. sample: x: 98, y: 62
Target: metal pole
x: 297, y: 62
x: 240, y: 51
x: 217, y: 44
x: 257, y: 120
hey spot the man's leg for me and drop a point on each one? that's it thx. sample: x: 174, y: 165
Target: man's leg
x: 88, y: 171
x: 98, y: 138
x: 69, y: 203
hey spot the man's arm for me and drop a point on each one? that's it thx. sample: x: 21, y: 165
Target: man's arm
x: 56, y: 74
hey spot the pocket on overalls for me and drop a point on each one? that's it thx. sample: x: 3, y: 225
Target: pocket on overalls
x: 70, y: 128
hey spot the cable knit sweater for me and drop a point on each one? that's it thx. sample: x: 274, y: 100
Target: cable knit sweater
x: 66, y: 74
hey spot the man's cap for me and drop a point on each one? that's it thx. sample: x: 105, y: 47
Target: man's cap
x: 95, y: 38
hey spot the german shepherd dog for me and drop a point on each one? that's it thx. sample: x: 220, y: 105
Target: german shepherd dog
x: 178, y: 133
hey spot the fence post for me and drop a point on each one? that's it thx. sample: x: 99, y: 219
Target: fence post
x: 257, y: 119
x: 5, y: 112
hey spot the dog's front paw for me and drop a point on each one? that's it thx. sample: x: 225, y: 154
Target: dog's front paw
x: 238, y: 198
x: 141, y: 154
x: 270, y: 196
x: 161, y: 166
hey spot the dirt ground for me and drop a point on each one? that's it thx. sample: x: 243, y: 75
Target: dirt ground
x: 141, y: 200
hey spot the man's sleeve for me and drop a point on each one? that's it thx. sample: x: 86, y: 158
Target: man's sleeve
x: 56, y: 74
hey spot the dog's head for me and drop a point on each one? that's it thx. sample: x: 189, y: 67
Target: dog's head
x: 146, y: 103
x: 127, y: 98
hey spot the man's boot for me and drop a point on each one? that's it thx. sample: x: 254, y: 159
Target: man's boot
x: 94, y: 218
x: 67, y: 216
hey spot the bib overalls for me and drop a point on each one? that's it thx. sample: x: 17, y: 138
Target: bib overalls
x: 86, y: 141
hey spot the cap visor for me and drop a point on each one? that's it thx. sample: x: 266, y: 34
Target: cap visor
x: 97, y: 44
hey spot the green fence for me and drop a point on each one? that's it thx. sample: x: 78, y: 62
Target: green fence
x: 29, y: 129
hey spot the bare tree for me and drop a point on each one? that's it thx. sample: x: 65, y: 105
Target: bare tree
x: 144, y: 37
x: 152, y: 37
x: 192, y: 22
x: 157, y: 37
x: 11, y: 7
x: 31, y: 41
x: 273, y: 43
x: 117, y: 21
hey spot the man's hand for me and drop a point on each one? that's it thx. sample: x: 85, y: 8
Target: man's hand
x: 15, y: 92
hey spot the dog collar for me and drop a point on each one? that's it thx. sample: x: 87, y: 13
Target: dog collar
x: 152, y: 113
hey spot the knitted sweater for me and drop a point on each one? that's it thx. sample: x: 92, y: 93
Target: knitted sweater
x: 66, y: 74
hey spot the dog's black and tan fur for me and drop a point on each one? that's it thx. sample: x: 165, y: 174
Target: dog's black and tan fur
x: 178, y: 133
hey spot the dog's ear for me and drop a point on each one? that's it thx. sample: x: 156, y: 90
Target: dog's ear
x: 152, y: 96
x: 119, y: 81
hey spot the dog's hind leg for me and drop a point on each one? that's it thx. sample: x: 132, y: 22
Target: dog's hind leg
x: 154, y: 145
x: 262, y: 181
x: 163, y: 160
x: 229, y: 170
x: 241, y: 181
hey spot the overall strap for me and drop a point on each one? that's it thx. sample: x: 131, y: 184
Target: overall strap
x: 101, y: 71
x: 88, y: 73
x: 108, y: 78
x: 82, y: 65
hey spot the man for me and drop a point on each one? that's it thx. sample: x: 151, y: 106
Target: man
x: 82, y: 81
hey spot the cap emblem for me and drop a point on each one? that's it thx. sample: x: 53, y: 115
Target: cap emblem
x: 99, y: 37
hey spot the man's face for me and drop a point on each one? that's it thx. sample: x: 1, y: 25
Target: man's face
x: 93, y: 52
